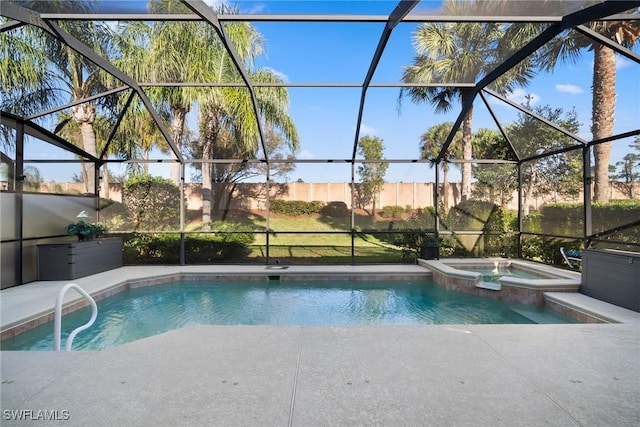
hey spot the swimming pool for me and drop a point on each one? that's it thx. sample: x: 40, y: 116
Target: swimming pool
x: 138, y: 313
x: 515, y: 281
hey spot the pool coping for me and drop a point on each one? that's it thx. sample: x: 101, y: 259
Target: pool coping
x: 31, y: 305
x: 28, y: 306
x: 528, y: 291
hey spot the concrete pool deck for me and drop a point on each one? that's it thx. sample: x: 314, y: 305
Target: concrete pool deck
x: 434, y: 375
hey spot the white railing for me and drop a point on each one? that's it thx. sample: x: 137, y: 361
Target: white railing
x: 57, y: 322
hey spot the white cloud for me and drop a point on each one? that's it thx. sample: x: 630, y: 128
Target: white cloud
x: 520, y: 96
x: 569, y: 88
x: 366, y: 130
x: 280, y: 74
x: 214, y: 3
x: 622, y: 62
x: 257, y: 8
x: 305, y: 154
x: 254, y: 7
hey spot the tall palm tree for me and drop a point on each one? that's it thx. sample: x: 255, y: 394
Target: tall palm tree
x: 53, y: 72
x: 431, y: 143
x: 166, y: 52
x: 228, y: 124
x: 568, y: 47
x: 464, y: 53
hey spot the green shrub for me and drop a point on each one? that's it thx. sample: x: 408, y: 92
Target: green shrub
x: 472, y: 215
x: 295, y: 207
x: 392, y: 211
x: 199, y: 249
x: 563, y: 219
x: 547, y: 249
x: 422, y: 219
x: 413, y: 242
x: 335, y: 209
x: 152, y: 203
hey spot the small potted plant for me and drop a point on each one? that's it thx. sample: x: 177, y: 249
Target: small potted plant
x: 85, y: 230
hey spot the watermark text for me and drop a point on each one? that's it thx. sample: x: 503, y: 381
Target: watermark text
x: 35, y: 414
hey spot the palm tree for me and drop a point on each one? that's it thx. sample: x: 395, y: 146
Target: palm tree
x: 431, y: 143
x: 166, y: 52
x: 72, y: 131
x: 137, y: 135
x: 53, y: 71
x: 568, y: 47
x: 228, y: 123
x: 463, y: 53
x: 227, y: 118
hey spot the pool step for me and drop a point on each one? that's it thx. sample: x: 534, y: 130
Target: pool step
x: 539, y: 317
x: 489, y: 285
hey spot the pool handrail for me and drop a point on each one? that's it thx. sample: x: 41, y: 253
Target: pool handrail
x: 57, y: 322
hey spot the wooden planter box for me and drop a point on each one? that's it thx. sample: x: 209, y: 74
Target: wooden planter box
x: 68, y: 261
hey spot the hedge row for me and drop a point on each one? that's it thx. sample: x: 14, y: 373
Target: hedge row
x: 566, y: 218
x: 393, y: 211
x: 199, y: 249
x: 295, y: 207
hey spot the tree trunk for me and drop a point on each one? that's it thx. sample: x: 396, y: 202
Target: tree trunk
x: 528, y: 193
x: 467, y: 153
x: 206, y: 193
x: 85, y: 115
x: 211, y: 127
x: 227, y: 206
x: 177, y: 129
x: 445, y: 185
x: 217, y: 196
x: 145, y: 165
x: 603, y: 111
x: 104, y: 184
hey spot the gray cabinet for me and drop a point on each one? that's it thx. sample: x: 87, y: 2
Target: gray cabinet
x: 67, y: 261
x: 612, y: 276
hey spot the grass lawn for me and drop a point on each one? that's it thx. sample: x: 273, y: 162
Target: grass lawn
x: 301, y: 239
x: 307, y: 247
x: 291, y: 254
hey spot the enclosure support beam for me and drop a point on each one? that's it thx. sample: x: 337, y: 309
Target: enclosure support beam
x: 209, y: 16
x: 268, y: 214
x: 353, y: 213
x: 587, y: 182
x: 37, y: 131
x: 182, y: 209
x: 116, y: 125
x: 628, y: 53
x: 22, y: 14
x: 20, y: 199
x: 591, y: 13
x: 436, y: 200
x: 500, y: 128
x: 401, y: 10
x: 520, y: 207
x: 535, y: 116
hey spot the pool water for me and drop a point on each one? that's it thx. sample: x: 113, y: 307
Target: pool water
x: 142, y: 312
x: 493, y: 274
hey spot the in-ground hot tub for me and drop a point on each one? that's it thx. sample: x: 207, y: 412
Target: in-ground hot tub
x: 511, y: 280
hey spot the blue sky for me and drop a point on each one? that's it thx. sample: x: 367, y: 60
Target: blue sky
x: 338, y: 52
x: 341, y: 53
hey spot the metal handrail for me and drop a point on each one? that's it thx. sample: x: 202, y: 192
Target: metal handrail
x: 57, y: 322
